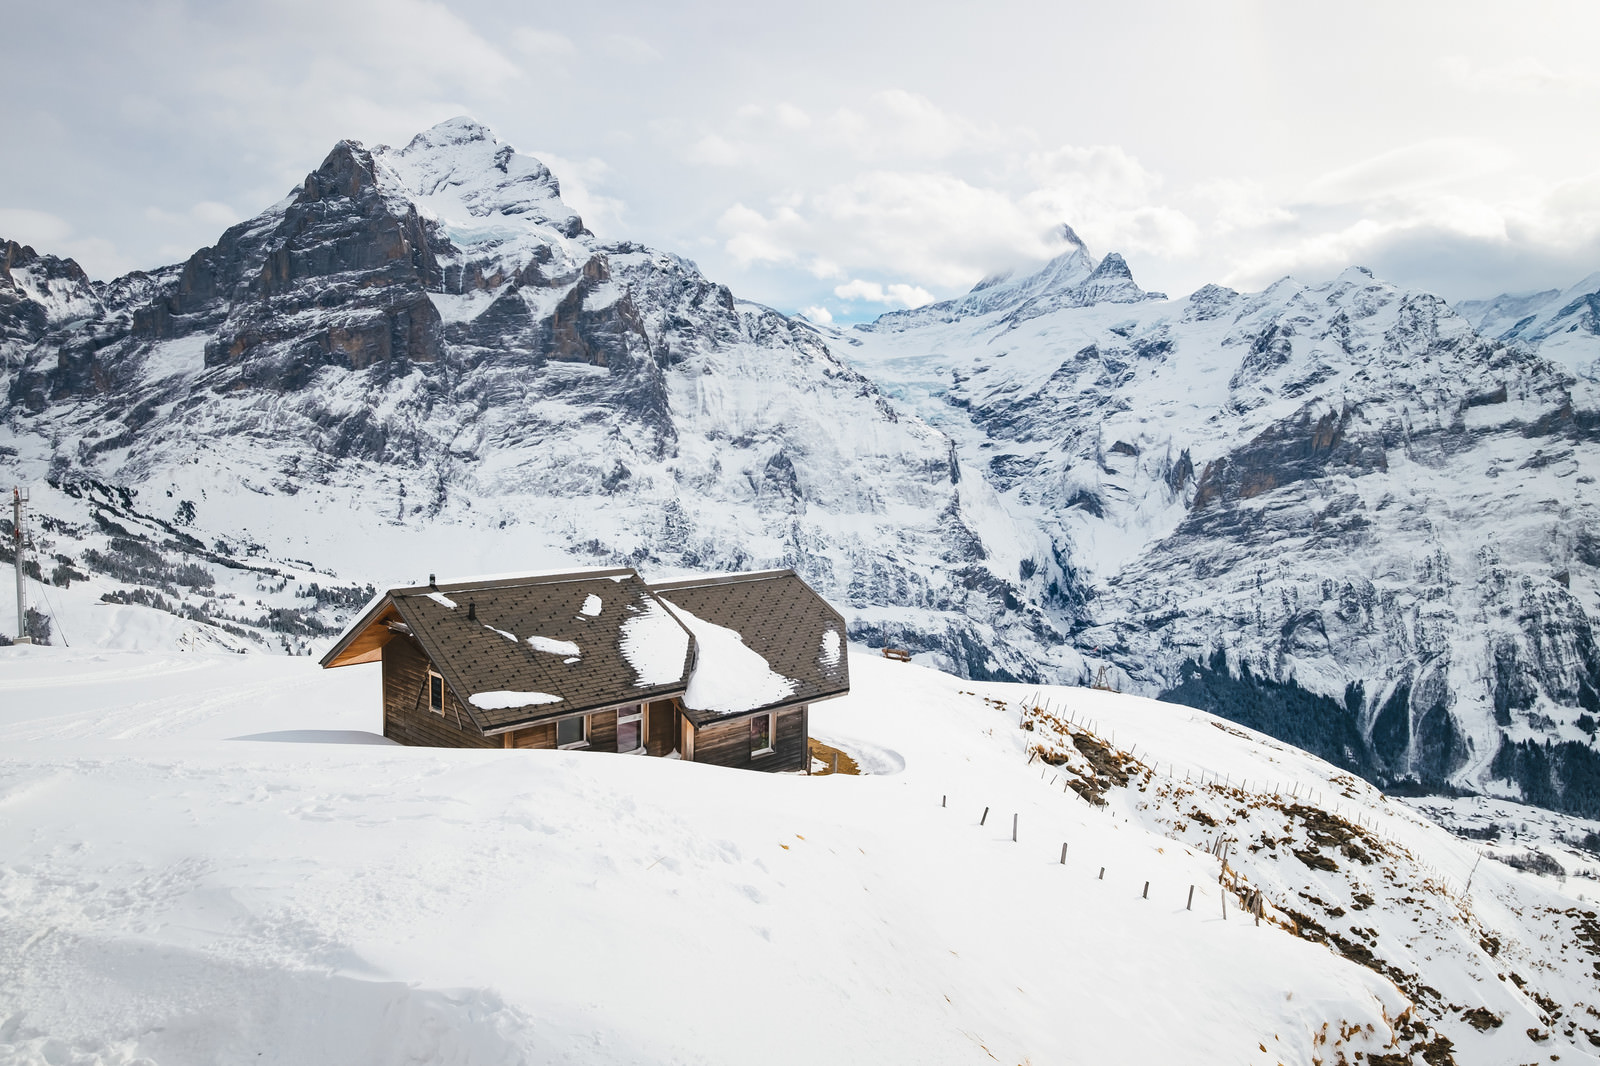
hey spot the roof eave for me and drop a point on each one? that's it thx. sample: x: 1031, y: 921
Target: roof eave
x: 701, y: 719
x: 598, y: 708
x: 368, y: 619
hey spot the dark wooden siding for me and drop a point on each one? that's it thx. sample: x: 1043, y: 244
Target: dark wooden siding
x: 406, y: 717
x: 663, y: 722
x: 728, y: 743
x: 542, y: 735
x: 603, y: 731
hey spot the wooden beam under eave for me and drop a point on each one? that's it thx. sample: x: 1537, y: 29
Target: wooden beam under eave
x: 367, y: 645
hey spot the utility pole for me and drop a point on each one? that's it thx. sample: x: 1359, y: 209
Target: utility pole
x: 18, y: 498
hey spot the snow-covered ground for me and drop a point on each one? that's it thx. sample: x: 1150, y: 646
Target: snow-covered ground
x: 216, y: 858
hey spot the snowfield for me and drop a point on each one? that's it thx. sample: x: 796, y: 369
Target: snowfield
x: 216, y: 858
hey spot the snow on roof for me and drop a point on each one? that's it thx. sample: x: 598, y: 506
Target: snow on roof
x: 505, y: 700
x: 551, y: 646
x: 728, y: 677
x: 832, y: 645
x: 654, y: 644
x: 779, y: 619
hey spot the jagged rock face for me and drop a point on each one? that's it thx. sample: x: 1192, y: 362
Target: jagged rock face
x: 38, y: 291
x: 425, y: 345
x: 1335, y: 512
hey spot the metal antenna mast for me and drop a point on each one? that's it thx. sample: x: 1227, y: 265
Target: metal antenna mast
x: 18, y: 498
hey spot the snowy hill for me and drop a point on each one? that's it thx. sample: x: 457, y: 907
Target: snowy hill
x: 1334, y: 512
x: 421, y: 360
x: 216, y: 859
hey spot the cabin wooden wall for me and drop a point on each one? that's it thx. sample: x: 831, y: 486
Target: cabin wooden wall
x: 602, y: 734
x: 406, y: 717
x: 662, y: 723
x: 542, y: 735
x: 728, y: 743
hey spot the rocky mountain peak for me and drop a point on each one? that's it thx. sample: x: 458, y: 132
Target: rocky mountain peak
x: 462, y: 129
x: 1112, y: 268
x: 347, y: 171
x: 482, y: 190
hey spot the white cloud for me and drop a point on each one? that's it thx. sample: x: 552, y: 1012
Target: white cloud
x: 39, y: 228
x: 893, y: 293
x: 543, y: 45
x: 207, y: 213
x: 820, y: 315
x: 631, y: 49
x: 581, y: 182
x: 791, y: 117
x: 1523, y: 75
x: 1231, y: 204
x: 791, y: 160
x: 1412, y: 169
x: 714, y: 150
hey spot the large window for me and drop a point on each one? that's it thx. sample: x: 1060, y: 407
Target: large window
x: 435, y: 693
x: 761, y: 734
x: 572, y: 732
x: 630, y: 728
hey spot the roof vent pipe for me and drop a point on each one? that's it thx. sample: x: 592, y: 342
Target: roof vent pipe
x: 433, y: 582
x: 472, y: 611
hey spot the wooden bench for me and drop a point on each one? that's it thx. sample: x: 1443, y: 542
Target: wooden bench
x: 897, y: 654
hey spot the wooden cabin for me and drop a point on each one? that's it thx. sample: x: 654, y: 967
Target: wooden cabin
x: 719, y: 669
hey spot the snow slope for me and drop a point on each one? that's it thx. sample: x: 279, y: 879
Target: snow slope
x: 216, y: 859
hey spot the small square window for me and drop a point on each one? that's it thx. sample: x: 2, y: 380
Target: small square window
x: 571, y: 732
x: 435, y: 693
x: 761, y: 734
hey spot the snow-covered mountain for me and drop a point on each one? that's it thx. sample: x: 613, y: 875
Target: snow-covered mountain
x: 1343, y: 512
x: 1561, y: 325
x: 1334, y: 512
x: 420, y: 360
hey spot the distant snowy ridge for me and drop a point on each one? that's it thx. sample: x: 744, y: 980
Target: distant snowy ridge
x: 1333, y: 511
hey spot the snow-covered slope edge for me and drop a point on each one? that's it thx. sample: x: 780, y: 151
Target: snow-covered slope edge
x: 233, y: 867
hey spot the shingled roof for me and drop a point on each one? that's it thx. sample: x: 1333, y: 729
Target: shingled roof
x: 776, y: 615
x: 526, y: 649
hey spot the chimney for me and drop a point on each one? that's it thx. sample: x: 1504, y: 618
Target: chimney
x: 433, y: 582
x: 472, y: 611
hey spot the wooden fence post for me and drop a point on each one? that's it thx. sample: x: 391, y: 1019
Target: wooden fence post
x: 1063, y: 853
x: 1189, y: 906
x: 1102, y: 876
x: 1146, y: 893
x: 944, y: 799
x: 1014, y: 828
x: 985, y: 817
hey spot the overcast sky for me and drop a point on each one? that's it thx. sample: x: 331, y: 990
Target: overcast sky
x: 852, y: 157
